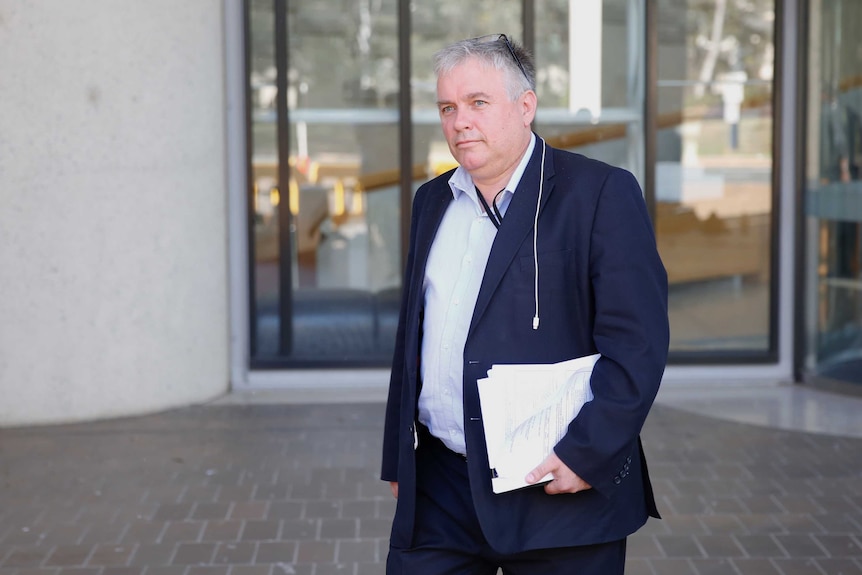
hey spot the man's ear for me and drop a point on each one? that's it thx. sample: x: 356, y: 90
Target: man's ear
x: 529, y: 101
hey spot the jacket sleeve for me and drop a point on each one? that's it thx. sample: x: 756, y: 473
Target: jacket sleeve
x: 629, y: 286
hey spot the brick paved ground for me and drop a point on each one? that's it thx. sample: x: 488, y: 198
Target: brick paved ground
x: 291, y: 489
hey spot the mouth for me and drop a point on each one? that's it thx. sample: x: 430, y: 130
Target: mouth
x: 465, y: 142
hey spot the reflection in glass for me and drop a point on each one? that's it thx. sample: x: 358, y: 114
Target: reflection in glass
x: 833, y: 191
x: 590, y: 79
x: 714, y: 171
x: 342, y: 194
x: 335, y: 290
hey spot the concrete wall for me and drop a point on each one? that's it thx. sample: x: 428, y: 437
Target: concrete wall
x: 113, y: 239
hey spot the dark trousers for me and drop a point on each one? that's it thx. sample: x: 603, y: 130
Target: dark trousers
x: 449, y: 541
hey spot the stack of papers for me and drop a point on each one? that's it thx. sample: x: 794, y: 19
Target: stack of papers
x: 526, y: 410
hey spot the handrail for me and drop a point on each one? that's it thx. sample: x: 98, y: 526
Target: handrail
x: 594, y: 134
x: 378, y: 180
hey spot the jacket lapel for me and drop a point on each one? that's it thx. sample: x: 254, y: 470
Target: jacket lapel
x: 517, y: 224
x: 427, y: 224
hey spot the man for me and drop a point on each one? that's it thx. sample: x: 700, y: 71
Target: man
x: 523, y: 254
x: 840, y: 137
x: 836, y: 141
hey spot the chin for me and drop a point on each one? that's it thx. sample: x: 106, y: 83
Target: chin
x: 470, y: 162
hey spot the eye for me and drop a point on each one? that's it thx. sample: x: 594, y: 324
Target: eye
x: 480, y: 103
x: 446, y: 109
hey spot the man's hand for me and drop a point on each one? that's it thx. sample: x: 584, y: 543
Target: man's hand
x: 393, y: 485
x: 565, y: 480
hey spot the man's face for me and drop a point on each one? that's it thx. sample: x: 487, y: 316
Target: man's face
x: 486, y: 132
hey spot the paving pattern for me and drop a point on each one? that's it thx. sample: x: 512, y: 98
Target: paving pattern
x: 293, y: 489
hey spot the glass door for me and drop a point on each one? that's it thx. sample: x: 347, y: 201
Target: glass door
x: 714, y: 187
x: 325, y: 192
x: 833, y: 191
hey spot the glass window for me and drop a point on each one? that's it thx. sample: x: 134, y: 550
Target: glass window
x: 590, y: 65
x: 833, y: 191
x: 334, y: 296
x: 326, y: 193
x: 714, y: 163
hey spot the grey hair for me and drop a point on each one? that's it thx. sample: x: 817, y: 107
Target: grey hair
x: 493, y: 53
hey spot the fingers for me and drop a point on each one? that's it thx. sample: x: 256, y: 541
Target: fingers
x: 536, y: 474
x: 564, y: 479
x: 393, y: 485
x: 567, y: 483
x: 557, y: 486
x: 550, y: 465
x: 561, y: 485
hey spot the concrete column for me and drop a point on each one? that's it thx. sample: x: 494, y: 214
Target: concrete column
x: 113, y: 265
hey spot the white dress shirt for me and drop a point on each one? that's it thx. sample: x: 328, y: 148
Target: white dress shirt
x: 453, y: 275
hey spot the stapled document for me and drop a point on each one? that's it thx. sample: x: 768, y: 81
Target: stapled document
x: 526, y: 410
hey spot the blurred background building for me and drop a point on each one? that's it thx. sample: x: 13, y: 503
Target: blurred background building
x: 214, y: 195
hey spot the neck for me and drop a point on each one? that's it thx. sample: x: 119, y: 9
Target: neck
x: 489, y: 187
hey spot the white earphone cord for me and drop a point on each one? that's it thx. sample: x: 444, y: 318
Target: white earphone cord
x: 536, y: 240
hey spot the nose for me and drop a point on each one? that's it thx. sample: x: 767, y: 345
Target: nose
x: 463, y: 119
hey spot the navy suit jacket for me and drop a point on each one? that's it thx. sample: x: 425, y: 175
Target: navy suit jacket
x: 602, y: 288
